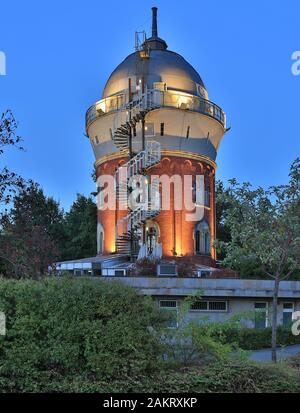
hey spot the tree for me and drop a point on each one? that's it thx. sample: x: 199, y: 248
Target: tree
x: 10, y: 182
x: 265, y: 227
x: 222, y: 204
x: 80, y: 229
x: 31, y: 233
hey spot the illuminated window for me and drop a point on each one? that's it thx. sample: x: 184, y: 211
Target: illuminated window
x: 149, y: 129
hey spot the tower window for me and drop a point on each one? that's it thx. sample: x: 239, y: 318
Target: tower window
x: 160, y: 86
x: 149, y: 129
x: 207, y: 197
x: 188, y: 132
x: 134, y: 131
x: 202, y: 238
x: 96, y: 140
x: 162, y: 129
x: 100, y: 238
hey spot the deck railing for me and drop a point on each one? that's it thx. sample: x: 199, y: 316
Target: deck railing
x: 163, y: 99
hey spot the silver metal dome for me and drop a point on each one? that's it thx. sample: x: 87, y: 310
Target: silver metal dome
x: 156, y: 64
x: 160, y: 66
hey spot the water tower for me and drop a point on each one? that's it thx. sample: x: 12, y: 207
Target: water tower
x: 155, y: 118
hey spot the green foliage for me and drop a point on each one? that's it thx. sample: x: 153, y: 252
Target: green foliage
x: 60, y: 329
x: 192, y: 342
x: 35, y: 232
x: 264, y: 227
x: 231, y: 376
x: 222, y: 205
x: 79, y: 335
x: 30, y: 233
x: 10, y: 182
x: 240, y: 337
x: 80, y: 228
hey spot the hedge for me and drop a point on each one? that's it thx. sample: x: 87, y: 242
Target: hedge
x: 67, y: 328
x: 256, y: 339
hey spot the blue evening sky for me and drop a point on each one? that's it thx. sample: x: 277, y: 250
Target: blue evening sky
x: 60, y: 54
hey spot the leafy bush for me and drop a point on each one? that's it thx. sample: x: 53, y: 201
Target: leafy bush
x: 60, y: 329
x: 233, y: 376
x: 85, y: 335
x: 250, y: 338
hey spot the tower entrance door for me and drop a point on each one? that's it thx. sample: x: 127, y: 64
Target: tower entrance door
x: 152, y: 236
x: 151, y: 239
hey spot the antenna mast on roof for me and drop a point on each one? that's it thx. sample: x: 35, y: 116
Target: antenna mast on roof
x: 140, y: 39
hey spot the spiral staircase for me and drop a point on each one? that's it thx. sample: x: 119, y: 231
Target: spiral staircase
x: 128, y: 231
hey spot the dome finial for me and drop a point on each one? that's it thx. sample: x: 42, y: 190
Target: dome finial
x: 154, y: 22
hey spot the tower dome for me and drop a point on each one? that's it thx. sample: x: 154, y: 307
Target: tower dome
x: 156, y: 64
x: 160, y: 66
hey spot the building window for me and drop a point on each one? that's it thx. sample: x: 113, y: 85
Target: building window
x: 261, y: 315
x: 96, y: 140
x: 120, y: 273
x: 216, y: 306
x: 162, y: 129
x: 288, y: 309
x: 188, y: 132
x: 100, y: 238
x: 172, y: 307
x: 149, y: 129
x: 101, y: 242
x: 134, y: 130
x: 160, y: 86
x: 202, y: 238
x: 78, y: 273
x: 207, y: 197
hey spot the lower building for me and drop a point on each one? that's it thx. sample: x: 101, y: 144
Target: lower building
x: 212, y: 299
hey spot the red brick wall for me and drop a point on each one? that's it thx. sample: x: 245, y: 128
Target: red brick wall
x: 109, y: 218
x: 176, y: 234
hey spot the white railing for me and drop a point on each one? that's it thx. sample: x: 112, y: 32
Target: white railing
x: 154, y: 98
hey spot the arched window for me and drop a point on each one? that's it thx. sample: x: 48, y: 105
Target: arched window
x: 202, y: 238
x: 100, y: 238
